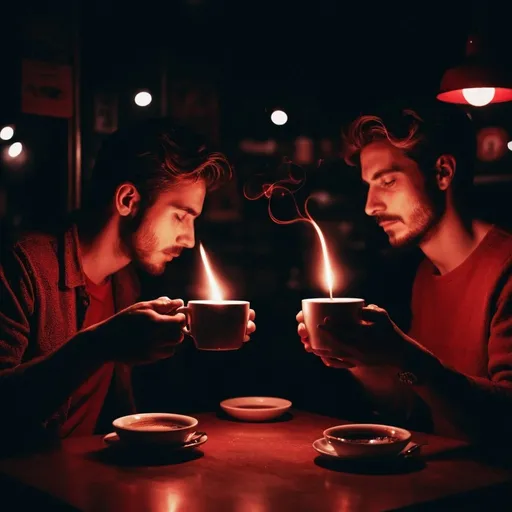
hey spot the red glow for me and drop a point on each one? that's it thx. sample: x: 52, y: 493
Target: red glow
x: 282, y: 186
x: 328, y: 274
x: 215, y: 291
x: 270, y: 190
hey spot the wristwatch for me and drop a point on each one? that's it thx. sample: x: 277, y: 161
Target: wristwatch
x: 407, y: 378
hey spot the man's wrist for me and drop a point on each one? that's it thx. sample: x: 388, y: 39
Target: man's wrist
x: 418, y: 365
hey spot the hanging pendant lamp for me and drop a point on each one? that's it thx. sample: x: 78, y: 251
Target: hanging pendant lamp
x: 477, y: 81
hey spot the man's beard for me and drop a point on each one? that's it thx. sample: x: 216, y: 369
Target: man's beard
x: 422, y: 221
x: 140, y: 243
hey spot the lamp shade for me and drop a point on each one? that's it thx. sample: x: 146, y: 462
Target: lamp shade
x: 477, y: 81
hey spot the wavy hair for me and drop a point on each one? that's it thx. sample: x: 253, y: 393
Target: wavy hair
x: 424, y: 137
x: 153, y: 155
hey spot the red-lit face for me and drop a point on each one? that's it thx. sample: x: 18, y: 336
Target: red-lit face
x: 167, y: 227
x: 397, y: 195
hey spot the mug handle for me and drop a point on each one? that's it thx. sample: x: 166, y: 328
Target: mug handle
x: 186, y: 311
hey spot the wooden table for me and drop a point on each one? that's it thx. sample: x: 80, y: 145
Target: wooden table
x: 246, y: 467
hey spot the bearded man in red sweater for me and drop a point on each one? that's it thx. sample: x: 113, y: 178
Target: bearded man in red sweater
x: 455, y: 362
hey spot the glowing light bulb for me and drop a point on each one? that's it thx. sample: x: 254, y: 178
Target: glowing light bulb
x: 15, y: 149
x: 509, y: 145
x: 479, y: 96
x: 143, y: 99
x: 279, y: 117
x: 6, y: 133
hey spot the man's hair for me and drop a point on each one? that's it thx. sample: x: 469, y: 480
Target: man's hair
x: 152, y: 155
x: 424, y: 134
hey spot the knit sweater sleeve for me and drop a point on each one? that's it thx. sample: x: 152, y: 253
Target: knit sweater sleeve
x: 479, y: 407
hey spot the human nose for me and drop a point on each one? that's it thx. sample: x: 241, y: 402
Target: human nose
x: 374, y: 204
x: 187, y: 238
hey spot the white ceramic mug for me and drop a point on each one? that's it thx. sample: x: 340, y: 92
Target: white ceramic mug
x: 343, y: 313
x: 217, y: 324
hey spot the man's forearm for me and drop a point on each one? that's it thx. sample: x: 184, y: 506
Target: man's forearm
x: 461, y: 405
x: 32, y: 392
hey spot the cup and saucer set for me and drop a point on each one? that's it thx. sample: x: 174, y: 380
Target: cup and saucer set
x: 361, y: 442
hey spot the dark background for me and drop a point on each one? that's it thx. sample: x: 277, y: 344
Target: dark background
x: 223, y: 67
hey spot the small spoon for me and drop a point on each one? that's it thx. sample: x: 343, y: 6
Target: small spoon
x: 410, y: 451
x: 195, y: 438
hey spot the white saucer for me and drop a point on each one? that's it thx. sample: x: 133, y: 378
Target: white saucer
x: 255, y: 408
x: 322, y: 446
x: 112, y: 440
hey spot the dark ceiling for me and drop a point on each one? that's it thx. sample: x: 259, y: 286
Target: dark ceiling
x: 332, y: 56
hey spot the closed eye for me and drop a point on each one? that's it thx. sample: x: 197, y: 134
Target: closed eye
x: 388, y: 183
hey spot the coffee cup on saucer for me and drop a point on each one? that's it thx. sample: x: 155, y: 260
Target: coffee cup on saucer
x: 361, y: 440
x: 156, y: 429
